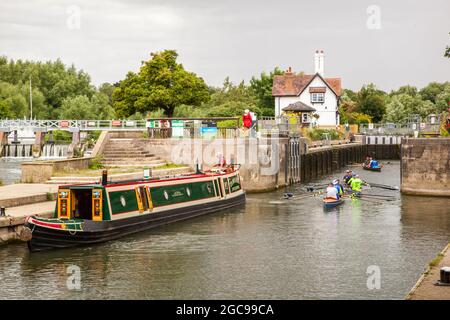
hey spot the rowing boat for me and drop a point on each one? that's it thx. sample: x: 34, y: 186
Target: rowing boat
x: 377, y: 169
x: 329, y: 203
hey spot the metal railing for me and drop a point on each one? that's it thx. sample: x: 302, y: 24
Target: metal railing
x: 396, y: 129
x: 194, y: 133
x: 72, y: 125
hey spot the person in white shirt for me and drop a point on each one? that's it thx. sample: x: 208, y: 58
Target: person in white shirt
x: 332, y: 192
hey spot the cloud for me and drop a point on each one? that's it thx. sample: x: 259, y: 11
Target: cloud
x: 234, y: 38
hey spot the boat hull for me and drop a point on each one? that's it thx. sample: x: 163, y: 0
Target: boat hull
x: 44, y: 238
x: 331, y: 203
x: 378, y: 169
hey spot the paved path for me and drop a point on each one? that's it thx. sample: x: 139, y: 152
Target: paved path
x: 425, y: 288
x: 25, y: 190
x: 25, y: 193
x: 31, y: 209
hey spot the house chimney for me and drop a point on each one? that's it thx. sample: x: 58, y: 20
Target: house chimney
x: 318, y: 62
x: 288, y: 72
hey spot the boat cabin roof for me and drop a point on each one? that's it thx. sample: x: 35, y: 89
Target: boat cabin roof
x: 142, y: 181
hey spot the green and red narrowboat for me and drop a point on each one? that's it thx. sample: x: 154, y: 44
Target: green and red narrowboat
x: 94, y: 213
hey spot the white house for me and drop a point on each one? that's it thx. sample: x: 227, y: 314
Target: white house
x: 313, y: 90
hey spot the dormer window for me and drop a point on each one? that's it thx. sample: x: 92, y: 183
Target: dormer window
x: 318, y: 97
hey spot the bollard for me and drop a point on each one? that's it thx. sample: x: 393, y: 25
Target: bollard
x: 2, y: 212
x: 445, y: 275
x: 105, y: 177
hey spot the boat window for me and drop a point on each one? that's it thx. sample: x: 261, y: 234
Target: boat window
x: 188, y: 192
x: 144, y: 199
x: 219, y: 188
x: 64, y: 205
x: 225, y: 183
x: 235, y: 184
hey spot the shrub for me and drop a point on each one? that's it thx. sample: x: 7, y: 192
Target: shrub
x: 96, y: 163
x: 321, y: 134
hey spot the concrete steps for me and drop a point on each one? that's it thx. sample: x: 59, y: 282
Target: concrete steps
x: 124, y: 153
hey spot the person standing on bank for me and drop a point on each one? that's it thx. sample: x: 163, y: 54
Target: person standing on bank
x: 254, y: 123
x: 247, y: 121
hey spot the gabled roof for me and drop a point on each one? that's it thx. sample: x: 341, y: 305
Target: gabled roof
x: 293, y: 85
x: 299, y: 107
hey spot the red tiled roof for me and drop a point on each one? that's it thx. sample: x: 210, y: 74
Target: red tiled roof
x: 292, y: 85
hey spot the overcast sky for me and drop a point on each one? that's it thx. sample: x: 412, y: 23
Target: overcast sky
x: 389, y: 43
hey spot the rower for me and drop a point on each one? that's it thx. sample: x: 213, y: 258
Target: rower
x: 332, y: 192
x: 349, y: 181
x: 374, y: 163
x: 356, y: 183
x: 367, y: 162
x: 348, y: 176
x: 338, y: 187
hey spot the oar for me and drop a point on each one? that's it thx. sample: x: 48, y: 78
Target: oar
x: 378, y: 198
x: 319, y: 186
x: 378, y: 195
x: 382, y: 186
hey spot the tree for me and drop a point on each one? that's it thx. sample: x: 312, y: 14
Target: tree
x: 161, y: 83
x: 77, y: 108
x: 12, y: 102
x: 402, y: 106
x: 431, y: 91
x: 409, y: 90
x: 262, y: 89
x: 371, y: 101
x: 231, y: 100
x: 53, y: 79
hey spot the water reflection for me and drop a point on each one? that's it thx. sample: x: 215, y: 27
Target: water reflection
x: 271, y: 248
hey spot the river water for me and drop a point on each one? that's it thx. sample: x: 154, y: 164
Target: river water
x: 271, y: 249
x: 10, y: 170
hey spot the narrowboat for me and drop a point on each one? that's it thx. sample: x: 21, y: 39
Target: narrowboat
x: 93, y: 213
x: 329, y: 203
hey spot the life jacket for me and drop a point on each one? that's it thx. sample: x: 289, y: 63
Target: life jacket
x: 356, y: 184
x: 374, y: 164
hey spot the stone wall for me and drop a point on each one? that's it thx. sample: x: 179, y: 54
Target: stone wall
x: 41, y: 171
x: 425, y: 167
x: 262, y: 160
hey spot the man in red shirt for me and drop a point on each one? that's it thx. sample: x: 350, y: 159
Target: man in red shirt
x: 247, y: 120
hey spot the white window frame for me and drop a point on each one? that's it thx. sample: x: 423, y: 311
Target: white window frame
x: 306, y: 118
x: 318, y: 97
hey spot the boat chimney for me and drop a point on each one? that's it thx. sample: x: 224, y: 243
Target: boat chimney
x: 104, y: 177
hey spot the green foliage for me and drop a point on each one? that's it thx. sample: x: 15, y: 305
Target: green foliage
x: 402, y: 106
x: 409, y: 90
x: 321, y: 134
x: 231, y: 100
x: 53, y: 83
x: 186, y: 111
x: 82, y: 108
x: 12, y: 103
x: 53, y: 79
x: 60, y: 136
x: 50, y: 196
x: 161, y: 83
x: 96, y: 163
x: 262, y: 89
x: 371, y: 101
x: 432, y: 90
